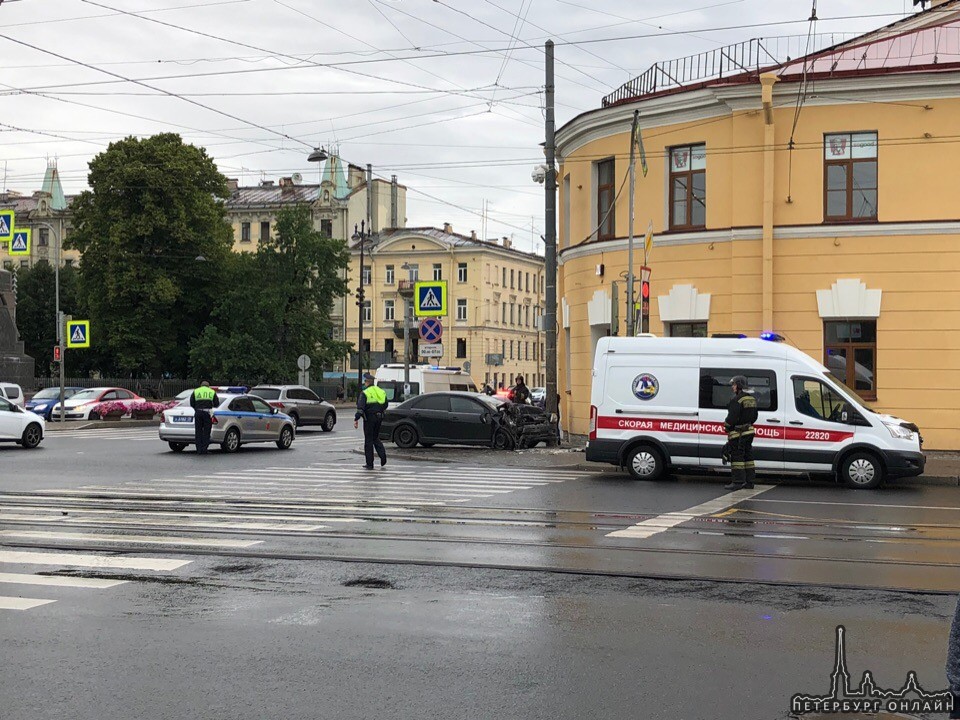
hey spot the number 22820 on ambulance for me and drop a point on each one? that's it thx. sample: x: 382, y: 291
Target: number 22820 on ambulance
x: 660, y: 403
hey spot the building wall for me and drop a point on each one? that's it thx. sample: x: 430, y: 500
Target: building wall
x: 909, y: 253
x: 38, y: 219
x: 484, y: 329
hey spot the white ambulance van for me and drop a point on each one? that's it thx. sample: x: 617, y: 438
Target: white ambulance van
x: 660, y: 403
x: 423, y: 379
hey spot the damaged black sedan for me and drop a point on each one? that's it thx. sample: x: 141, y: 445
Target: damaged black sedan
x: 463, y: 418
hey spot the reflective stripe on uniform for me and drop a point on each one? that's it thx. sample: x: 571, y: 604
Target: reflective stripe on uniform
x: 375, y: 395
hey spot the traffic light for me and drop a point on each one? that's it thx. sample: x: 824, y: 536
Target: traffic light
x: 645, y: 305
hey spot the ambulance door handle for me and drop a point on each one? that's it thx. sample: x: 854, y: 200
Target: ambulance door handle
x: 772, y: 420
x: 796, y: 422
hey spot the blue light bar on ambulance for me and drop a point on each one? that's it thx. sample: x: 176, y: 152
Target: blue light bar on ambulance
x: 772, y: 337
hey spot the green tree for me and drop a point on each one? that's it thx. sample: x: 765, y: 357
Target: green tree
x: 36, y: 312
x: 276, y: 306
x: 154, y: 242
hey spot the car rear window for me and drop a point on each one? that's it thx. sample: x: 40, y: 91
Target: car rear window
x: 266, y: 393
x: 432, y: 401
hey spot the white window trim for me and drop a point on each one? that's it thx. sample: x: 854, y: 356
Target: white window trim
x: 684, y: 304
x: 849, y: 298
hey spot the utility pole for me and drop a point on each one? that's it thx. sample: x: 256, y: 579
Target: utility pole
x: 550, y: 240
x: 632, y: 315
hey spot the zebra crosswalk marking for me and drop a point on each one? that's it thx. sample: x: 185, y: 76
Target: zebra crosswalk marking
x: 134, y: 539
x: 58, y: 581
x: 21, y: 603
x: 90, y: 561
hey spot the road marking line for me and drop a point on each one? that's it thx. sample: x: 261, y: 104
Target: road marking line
x: 240, y: 481
x: 160, y: 498
x: 188, y: 524
x: 138, y: 539
x: 185, y: 513
x: 174, y: 486
x: 95, y: 561
x: 863, y: 505
x: 59, y: 581
x: 18, y: 603
x: 661, y: 523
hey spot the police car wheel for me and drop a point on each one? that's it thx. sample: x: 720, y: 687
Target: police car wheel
x: 31, y: 436
x: 231, y: 441
x: 178, y: 447
x: 861, y: 471
x: 328, y: 422
x: 406, y: 436
x: 286, y: 438
x: 644, y: 463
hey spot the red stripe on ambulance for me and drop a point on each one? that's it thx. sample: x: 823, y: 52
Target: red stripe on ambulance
x: 695, y: 427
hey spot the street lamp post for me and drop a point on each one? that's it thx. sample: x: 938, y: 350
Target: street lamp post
x: 360, y: 236
x: 61, y: 337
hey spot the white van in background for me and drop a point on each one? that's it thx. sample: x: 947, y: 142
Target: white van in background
x: 659, y: 403
x: 423, y: 379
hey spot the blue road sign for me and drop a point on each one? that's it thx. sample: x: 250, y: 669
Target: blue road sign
x: 431, y: 298
x: 6, y: 224
x: 431, y: 330
x: 20, y: 242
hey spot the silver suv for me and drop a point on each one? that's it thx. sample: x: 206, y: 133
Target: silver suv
x: 300, y: 403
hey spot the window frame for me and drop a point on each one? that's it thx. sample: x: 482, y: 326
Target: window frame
x: 367, y: 309
x: 461, y: 305
x: 851, y: 348
x: 461, y: 272
x: 461, y: 342
x: 264, y: 225
x: 692, y: 324
x: 43, y: 237
x: 606, y: 200
x: 390, y: 276
x: 849, y: 164
x: 689, y: 174
x: 366, y: 274
x: 437, y: 272
x: 389, y: 310
x: 244, y: 232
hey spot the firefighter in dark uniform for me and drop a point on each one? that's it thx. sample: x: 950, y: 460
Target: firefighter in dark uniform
x: 203, y: 400
x: 741, y: 416
x: 371, y: 404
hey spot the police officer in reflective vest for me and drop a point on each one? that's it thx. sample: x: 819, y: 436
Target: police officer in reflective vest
x: 741, y: 415
x: 370, y: 406
x: 203, y: 401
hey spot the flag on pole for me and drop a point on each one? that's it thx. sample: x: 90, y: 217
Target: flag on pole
x: 648, y: 241
x: 637, y: 142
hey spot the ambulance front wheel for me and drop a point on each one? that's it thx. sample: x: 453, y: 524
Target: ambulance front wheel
x: 861, y: 471
x: 645, y: 463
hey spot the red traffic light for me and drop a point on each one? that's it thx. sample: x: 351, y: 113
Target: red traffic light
x: 645, y: 289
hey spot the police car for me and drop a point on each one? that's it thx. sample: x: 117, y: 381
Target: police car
x: 237, y: 420
x: 660, y: 403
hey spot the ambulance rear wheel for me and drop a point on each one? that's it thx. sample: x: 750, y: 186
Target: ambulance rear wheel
x: 645, y: 463
x: 861, y: 471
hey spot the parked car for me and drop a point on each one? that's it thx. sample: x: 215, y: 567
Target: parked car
x: 20, y: 426
x: 238, y: 420
x: 300, y: 403
x: 82, y: 406
x: 42, y: 403
x: 538, y: 395
x: 12, y: 392
x: 465, y: 418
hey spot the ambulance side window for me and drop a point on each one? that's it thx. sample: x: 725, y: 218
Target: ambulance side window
x: 815, y: 399
x: 715, y: 391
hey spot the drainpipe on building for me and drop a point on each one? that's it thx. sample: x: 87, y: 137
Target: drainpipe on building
x: 767, y: 81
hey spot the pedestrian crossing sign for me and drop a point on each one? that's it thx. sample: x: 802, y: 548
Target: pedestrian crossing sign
x: 6, y: 224
x: 78, y: 334
x: 20, y: 242
x: 431, y: 298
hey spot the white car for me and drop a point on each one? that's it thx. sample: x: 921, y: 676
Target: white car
x: 20, y: 426
x: 12, y: 392
x: 82, y: 405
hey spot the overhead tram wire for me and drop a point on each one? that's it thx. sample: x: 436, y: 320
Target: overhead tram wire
x: 445, y: 55
x: 51, y: 21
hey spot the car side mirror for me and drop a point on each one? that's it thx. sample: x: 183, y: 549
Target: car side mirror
x: 274, y: 411
x: 485, y: 418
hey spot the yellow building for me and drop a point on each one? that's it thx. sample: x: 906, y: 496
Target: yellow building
x: 813, y: 198
x: 46, y: 214
x: 495, y: 298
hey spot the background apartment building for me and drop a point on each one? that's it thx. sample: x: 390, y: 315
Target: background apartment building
x: 495, y: 300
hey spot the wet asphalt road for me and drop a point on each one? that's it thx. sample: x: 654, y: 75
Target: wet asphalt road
x: 233, y: 603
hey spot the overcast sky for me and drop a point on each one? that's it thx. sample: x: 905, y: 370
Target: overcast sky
x: 262, y: 81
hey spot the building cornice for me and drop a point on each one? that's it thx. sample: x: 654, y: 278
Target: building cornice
x: 785, y: 232
x: 718, y: 101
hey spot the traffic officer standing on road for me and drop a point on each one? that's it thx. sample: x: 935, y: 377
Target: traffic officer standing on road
x: 203, y: 401
x: 741, y: 415
x: 370, y: 406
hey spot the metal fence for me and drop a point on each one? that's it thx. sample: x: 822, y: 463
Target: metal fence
x: 164, y: 388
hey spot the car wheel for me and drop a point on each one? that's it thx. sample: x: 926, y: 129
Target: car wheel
x: 296, y: 419
x: 645, y: 463
x: 406, y: 436
x: 286, y: 438
x: 502, y: 440
x: 231, y: 441
x: 94, y: 416
x: 177, y: 447
x: 329, y: 420
x: 861, y: 471
x: 32, y: 436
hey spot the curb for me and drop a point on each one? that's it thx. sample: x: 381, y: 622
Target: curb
x: 79, y: 425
